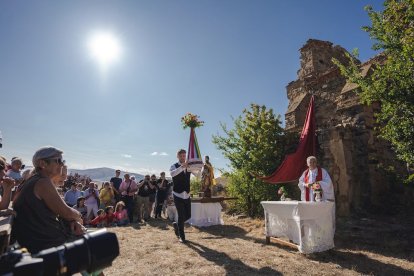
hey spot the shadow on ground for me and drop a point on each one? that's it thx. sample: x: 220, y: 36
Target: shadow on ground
x: 236, y: 232
x: 384, y: 237
x: 387, y: 236
x: 358, y: 262
x: 232, y: 266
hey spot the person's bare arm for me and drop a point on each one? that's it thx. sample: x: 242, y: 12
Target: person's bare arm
x: 45, y: 190
x: 7, y: 184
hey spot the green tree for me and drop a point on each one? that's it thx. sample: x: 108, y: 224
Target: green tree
x: 255, y: 144
x: 392, y: 81
x: 195, y: 185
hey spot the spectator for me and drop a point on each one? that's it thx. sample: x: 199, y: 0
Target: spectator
x: 162, y: 185
x: 71, y: 196
x: 100, y: 220
x: 121, y: 214
x: 153, y: 191
x: 110, y: 216
x: 41, y: 213
x: 6, y: 183
x: 14, y: 172
x: 91, y: 200
x: 79, y: 187
x: 27, y: 174
x: 171, y: 210
x: 143, y: 204
x: 116, y: 183
x: 127, y: 189
x: 81, y: 208
x: 106, y: 195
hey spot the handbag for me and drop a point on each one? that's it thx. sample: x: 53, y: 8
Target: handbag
x: 125, y: 197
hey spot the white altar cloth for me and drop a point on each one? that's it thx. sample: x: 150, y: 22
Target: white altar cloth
x: 205, y: 214
x: 310, y: 225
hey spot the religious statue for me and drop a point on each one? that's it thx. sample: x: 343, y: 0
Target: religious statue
x: 207, y: 178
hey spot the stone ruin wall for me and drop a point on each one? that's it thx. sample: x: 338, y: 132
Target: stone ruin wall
x: 347, y: 144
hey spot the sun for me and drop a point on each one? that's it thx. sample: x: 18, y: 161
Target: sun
x: 104, y: 48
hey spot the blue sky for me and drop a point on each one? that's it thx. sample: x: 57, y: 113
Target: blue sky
x: 212, y: 58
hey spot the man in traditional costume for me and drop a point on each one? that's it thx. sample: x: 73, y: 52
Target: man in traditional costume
x: 315, y: 178
x: 181, y: 191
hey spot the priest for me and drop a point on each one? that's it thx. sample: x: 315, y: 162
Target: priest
x: 315, y: 178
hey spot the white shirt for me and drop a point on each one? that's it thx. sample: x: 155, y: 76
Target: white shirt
x: 176, y: 171
x: 326, y: 185
x: 14, y: 175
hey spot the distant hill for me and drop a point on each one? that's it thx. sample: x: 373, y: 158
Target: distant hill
x: 103, y: 174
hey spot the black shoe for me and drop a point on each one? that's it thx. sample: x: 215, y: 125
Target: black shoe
x: 182, y: 240
x: 176, y: 229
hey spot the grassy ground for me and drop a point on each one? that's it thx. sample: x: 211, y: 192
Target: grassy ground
x: 380, y: 246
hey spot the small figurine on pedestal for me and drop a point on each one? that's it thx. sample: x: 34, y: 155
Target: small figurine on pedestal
x: 207, y: 178
x: 317, y: 192
x: 283, y: 193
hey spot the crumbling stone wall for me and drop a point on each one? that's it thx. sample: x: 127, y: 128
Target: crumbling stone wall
x: 348, y: 146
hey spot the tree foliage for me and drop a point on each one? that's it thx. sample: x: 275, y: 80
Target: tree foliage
x: 255, y: 144
x: 392, y: 81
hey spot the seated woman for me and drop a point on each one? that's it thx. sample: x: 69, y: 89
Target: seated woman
x: 43, y: 219
x: 81, y: 208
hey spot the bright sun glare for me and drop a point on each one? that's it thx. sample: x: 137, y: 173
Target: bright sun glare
x: 104, y: 48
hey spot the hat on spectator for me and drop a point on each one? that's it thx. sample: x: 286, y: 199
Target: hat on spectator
x: 16, y: 159
x: 45, y: 153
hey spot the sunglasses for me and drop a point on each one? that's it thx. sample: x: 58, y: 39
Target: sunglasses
x: 59, y: 161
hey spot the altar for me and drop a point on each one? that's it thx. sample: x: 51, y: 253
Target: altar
x: 205, y: 214
x: 309, y: 225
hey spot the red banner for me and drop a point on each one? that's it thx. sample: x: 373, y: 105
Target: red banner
x: 294, y: 164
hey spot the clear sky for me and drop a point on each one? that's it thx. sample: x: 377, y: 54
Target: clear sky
x: 208, y: 57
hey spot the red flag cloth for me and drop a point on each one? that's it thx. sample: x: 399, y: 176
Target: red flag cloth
x: 295, y: 164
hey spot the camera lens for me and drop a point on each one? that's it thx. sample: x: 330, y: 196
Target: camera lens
x: 95, y: 250
x: 103, y: 248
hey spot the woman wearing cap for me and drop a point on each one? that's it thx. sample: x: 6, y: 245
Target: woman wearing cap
x: 7, y: 184
x: 43, y: 219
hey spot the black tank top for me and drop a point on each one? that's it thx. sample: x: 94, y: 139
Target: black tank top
x: 36, y: 227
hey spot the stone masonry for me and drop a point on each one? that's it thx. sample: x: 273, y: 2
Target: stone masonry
x: 348, y: 146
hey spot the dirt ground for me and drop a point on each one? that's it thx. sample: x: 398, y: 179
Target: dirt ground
x: 364, y: 246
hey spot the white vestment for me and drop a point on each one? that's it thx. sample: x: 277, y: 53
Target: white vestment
x: 326, y: 185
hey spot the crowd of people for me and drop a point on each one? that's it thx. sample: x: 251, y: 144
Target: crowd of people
x: 53, y: 216
x: 121, y: 201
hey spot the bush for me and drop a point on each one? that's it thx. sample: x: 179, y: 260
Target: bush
x: 250, y: 192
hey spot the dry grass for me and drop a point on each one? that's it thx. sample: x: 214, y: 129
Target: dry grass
x: 237, y: 248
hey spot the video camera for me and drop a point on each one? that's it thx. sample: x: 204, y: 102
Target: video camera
x: 94, y: 251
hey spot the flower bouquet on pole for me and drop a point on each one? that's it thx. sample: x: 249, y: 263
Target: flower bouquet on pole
x: 194, y: 159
